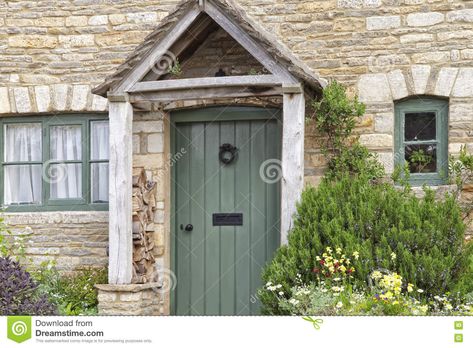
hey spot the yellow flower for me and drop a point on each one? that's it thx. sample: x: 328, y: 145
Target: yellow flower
x: 393, y: 256
x: 338, y: 250
x: 356, y: 255
x: 376, y: 275
x: 329, y: 249
x: 410, y: 287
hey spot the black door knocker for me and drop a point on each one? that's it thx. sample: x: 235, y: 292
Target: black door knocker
x: 228, y: 153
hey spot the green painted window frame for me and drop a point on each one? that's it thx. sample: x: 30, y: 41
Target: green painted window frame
x: 48, y: 204
x: 423, y: 104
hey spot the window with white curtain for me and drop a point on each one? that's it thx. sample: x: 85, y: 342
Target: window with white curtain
x: 56, y: 163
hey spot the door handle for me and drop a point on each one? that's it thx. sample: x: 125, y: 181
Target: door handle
x: 188, y: 228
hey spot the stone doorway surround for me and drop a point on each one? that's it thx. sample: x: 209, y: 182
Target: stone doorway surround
x: 131, y: 89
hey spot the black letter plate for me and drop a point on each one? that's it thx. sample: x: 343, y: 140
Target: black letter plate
x: 227, y: 219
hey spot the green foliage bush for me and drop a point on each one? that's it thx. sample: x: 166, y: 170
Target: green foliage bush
x: 375, y: 220
x: 335, y: 116
x: 73, y: 294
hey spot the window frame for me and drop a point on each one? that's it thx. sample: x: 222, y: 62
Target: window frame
x: 425, y: 105
x: 47, y: 203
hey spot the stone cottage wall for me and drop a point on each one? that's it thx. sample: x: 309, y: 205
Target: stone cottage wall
x: 54, y: 52
x: 72, y: 239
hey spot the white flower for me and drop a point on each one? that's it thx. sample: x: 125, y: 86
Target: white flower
x: 281, y: 293
x: 339, y: 304
x: 393, y: 256
x: 279, y: 286
x: 449, y: 307
x: 268, y: 283
x: 337, y: 279
x: 294, y: 302
x: 420, y: 291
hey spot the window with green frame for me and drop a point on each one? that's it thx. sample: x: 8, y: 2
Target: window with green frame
x: 54, y: 163
x: 421, y: 139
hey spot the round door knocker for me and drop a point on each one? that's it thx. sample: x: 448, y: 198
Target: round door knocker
x: 228, y: 153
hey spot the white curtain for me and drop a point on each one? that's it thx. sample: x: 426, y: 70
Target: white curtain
x: 22, y: 183
x: 99, y: 151
x: 65, y: 178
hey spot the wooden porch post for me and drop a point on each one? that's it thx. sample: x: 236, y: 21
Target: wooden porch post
x: 292, y: 166
x: 120, y: 191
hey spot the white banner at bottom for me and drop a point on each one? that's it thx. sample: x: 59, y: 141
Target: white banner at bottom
x: 209, y: 332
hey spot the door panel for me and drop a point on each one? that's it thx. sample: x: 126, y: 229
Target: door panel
x: 218, y: 268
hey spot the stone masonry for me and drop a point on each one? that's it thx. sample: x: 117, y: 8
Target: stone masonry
x: 72, y: 239
x: 54, y: 52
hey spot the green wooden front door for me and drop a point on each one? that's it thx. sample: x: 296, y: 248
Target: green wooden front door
x: 218, y: 268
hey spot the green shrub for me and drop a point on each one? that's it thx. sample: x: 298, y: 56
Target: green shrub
x: 375, y: 220
x: 354, y: 160
x: 73, y: 294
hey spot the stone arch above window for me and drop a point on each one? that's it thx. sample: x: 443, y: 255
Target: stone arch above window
x: 415, y: 80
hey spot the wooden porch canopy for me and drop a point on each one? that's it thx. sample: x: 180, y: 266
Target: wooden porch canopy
x: 142, y: 78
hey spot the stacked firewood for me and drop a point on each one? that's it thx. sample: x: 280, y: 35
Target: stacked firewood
x: 144, y: 206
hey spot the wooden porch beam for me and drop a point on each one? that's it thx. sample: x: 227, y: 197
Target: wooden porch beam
x: 292, y: 182
x: 244, y: 39
x: 207, y: 82
x: 160, y: 49
x: 205, y: 93
x: 120, y: 193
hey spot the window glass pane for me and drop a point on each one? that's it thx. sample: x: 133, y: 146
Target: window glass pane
x: 99, y: 140
x: 22, y: 142
x: 421, y: 158
x: 65, y: 180
x: 99, y: 175
x: 22, y: 184
x: 420, y: 126
x: 66, y: 143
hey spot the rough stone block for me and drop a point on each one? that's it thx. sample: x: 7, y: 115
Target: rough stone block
x: 99, y: 103
x: 155, y: 143
x: 22, y: 99
x: 455, y: 35
x: 43, y: 98
x: 98, y: 20
x: 79, y: 97
x: 461, y: 112
x: 117, y: 19
x: 358, y: 3
x: 69, y: 41
x: 383, y: 22
x: 76, y: 21
x: 32, y: 41
x: 374, y: 88
x: 431, y: 57
x: 397, y: 83
x: 414, y: 38
x: 465, y: 15
x: 420, y: 76
x: 424, y: 19
x: 376, y: 140
x: 384, y: 123
x: 445, y: 81
x: 4, y: 101
x: 147, y: 126
x: 464, y: 83
x: 142, y: 17
x: 60, y: 96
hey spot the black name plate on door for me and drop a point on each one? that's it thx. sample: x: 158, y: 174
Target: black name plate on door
x: 227, y: 219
